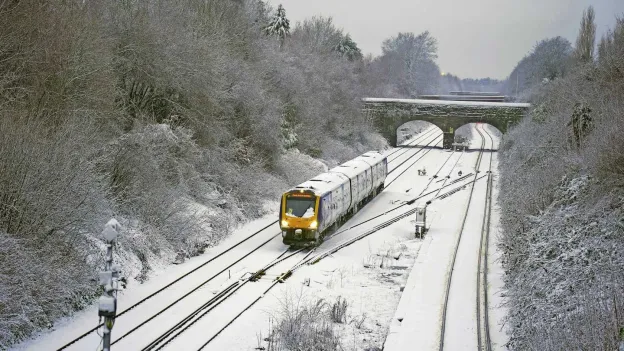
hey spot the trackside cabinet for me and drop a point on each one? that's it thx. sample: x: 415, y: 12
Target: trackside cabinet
x: 421, y: 219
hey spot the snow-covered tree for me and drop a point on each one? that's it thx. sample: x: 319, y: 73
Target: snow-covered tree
x: 348, y: 48
x: 611, y: 52
x: 587, y: 37
x: 279, y: 25
x: 408, y: 64
x: 548, y: 60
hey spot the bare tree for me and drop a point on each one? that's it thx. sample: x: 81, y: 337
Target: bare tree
x: 408, y: 64
x: 586, y: 40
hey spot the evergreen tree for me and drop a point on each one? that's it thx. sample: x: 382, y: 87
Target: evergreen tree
x: 348, y: 48
x: 279, y: 25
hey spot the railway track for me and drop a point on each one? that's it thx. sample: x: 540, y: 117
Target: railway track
x: 482, y: 322
x: 426, y: 151
x: 280, y: 278
x: 163, y: 341
x: 309, y: 259
x: 220, y: 297
x: 157, y: 292
x: 430, y: 138
x: 402, y: 149
x: 435, y: 175
x: 173, y: 332
x: 483, y: 330
x: 448, y: 176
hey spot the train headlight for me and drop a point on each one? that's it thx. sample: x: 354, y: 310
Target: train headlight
x: 313, y: 225
x: 284, y: 223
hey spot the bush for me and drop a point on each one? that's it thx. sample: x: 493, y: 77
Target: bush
x: 339, y: 310
x: 304, y: 326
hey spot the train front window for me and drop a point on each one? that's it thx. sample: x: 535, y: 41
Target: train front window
x: 302, y: 207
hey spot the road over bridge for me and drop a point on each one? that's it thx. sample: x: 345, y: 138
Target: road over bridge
x: 387, y: 115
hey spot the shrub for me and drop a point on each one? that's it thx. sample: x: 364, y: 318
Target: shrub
x: 339, y: 310
x: 304, y: 325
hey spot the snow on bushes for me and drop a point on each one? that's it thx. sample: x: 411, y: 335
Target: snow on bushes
x: 562, y: 200
x: 570, y: 271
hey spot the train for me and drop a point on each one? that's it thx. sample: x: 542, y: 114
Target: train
x: 316, y: 207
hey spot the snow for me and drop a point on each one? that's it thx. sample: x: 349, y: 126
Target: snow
x: 498, y: 310
x: 106, y: 304
x: 421, y: 305
x: 393, y: 282
x: 351, y: 168
x: 418, y: 317
x: 68, y: 329
x: 323, y: 183
x: 111, y: 229
x: 309, y: 213
x: 446, y: 102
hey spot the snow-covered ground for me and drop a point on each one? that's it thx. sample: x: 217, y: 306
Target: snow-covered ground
x: 387, y: 277
x: 418, y: 318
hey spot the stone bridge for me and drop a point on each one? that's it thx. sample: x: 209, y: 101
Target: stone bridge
x: 387, y: 115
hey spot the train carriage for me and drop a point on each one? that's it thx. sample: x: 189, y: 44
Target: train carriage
x: 312, y: 209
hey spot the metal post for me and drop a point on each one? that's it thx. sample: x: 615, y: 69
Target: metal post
x: 109, y: 279
x: 108, y: 321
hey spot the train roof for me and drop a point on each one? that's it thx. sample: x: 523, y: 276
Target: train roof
x: 372, y: 157
x: 323, y: 183
x: 351, y: 168
x: 336, y: 176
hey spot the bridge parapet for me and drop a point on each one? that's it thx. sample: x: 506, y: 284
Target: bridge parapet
x: 388, y: 114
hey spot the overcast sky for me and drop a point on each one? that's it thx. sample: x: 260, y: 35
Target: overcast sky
x: 476, y: 38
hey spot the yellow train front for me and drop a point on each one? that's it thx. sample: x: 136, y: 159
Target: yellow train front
x: 320, y: 205
x: 299, y: 219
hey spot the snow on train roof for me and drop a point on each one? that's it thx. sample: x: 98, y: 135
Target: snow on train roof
x: 323, y: 183
x: 351, y: 168
x: 374, y: 156
x: 329, y: 180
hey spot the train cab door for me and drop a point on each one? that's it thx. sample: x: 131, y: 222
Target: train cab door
x: 360, y: 185
x: 376, y: 175
x: 327, y: 213
x: 385, y: 167
x: 337, y: 200
x: 355, y: 189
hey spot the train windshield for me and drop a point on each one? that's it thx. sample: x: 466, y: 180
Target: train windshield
x: 302, y: 207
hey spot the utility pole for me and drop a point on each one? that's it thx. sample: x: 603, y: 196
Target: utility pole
x: 109, y: 280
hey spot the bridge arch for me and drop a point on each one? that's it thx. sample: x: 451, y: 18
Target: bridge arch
x: 387, y: 115
x: 414, y: 128
x: 466, y: 129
